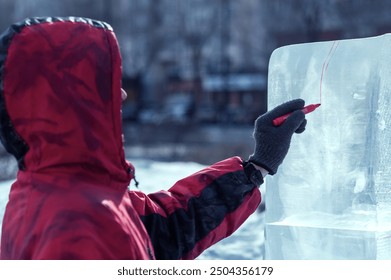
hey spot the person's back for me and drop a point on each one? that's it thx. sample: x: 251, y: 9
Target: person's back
x: 60, y: 116
x: 63, y: 123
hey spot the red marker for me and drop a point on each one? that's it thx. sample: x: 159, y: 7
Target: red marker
x: 307, y: 109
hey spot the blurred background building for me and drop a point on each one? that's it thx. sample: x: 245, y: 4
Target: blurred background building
x: 196, y: 70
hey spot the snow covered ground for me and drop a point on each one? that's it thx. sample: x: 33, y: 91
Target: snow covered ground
x: 247, y: 243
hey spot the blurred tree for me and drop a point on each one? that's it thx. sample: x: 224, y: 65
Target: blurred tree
x: 5, y: 18
x: 198, y: 23
x: 141, y: 33
x: 363, y: 18
x: 248, y: 37
x: 293, y: 21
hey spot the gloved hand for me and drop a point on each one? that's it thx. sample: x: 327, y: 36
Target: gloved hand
x: 272, y: 142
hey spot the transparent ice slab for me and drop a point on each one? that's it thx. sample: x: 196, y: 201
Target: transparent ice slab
x: 341, y: 164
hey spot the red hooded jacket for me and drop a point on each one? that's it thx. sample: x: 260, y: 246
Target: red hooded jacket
x: 60, y: 116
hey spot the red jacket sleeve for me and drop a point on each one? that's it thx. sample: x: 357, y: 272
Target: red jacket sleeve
x: 197, y: 211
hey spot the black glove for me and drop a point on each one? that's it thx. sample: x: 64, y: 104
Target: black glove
x: 272, y: 142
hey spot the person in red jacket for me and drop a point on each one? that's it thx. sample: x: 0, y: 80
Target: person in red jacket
x: 60, y: 116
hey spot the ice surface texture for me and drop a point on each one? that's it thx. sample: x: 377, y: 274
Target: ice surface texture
x: 336, y: 178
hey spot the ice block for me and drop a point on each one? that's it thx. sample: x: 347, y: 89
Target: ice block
x: 331, y: 197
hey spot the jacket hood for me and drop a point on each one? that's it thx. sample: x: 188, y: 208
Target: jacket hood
x: 60, y: 97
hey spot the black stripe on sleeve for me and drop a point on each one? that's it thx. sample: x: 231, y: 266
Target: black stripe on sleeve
x: 177, y: 234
